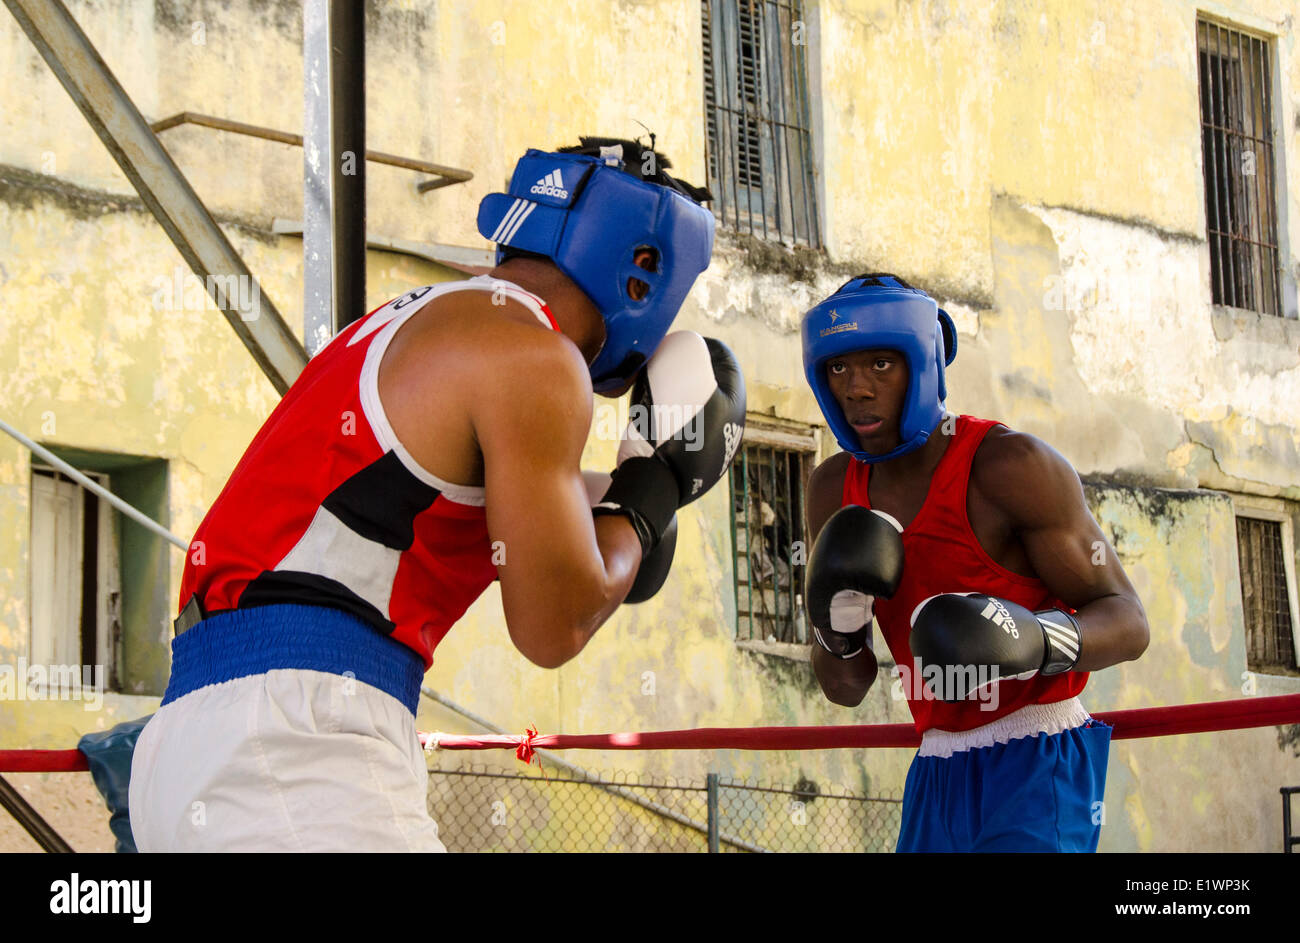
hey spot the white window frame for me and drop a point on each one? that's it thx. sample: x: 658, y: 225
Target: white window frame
x: 1274, y: 509
x: 43, y: 647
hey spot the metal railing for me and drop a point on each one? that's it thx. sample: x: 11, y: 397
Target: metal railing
x: 444, y: 176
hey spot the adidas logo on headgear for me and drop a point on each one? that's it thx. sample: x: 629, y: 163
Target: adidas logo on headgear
x: 551, y: 185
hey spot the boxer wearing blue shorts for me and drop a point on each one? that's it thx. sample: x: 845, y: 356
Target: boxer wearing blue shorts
x: 995, y: 590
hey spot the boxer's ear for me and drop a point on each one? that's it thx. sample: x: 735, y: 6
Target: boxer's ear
x: 949, y: 337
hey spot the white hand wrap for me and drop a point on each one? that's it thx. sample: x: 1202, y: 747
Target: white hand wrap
x: 851, y: 610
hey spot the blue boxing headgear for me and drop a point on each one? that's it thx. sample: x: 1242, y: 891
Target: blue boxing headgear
x: 589, y: 216
x: 882, y: 312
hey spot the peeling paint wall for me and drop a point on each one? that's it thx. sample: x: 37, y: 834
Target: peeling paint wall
x: 1034, y: 165
x: 1195, y: 792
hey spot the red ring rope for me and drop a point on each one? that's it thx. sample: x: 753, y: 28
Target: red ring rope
x: 1128, y: 725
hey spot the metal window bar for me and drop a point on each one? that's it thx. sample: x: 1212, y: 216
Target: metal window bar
x: 750, y: 68
x: 770, y: 619
x: 778, y: 94
x: 804, y: 139
x: 1217, y: 176
x: 740, y: 543
x: 740, y: 573
x: 1251, y: 181
x: 729, y: 81
x: 1209, y: 162
x: 710, y: 93
x: 794, y: 585
x: 784, y: 89
x: 735, y: 556
x: 757, y: 119
x: 761, y: 562
x: 767, y: 481
x: 1235, y: 79
x: 1265, y: 179
x: 1265, y: 603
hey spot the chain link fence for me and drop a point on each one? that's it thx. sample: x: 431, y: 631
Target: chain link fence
x: 481, y: 809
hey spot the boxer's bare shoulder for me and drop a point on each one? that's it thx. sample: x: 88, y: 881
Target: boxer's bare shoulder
x: 463, y: 353
x: 826, y: 491
x: 1017, y: 482
x: 1021, y: 476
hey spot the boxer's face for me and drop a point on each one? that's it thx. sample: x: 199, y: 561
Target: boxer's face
x: 870, y: 386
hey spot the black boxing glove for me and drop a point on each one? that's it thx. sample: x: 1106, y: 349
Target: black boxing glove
x: 964, y: 633
x: 687, y: 416
x: 858, y: 556
x: 655, y: 565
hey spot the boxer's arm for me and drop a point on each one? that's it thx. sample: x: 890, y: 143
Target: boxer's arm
x: 844, y: 682
x: 563, y: 574
x: 1042, y: 497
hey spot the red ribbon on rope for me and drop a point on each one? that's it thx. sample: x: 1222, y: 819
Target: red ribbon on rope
x: 525, y: 749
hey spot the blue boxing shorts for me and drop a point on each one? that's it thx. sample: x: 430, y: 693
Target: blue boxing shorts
x: 1031, y: 781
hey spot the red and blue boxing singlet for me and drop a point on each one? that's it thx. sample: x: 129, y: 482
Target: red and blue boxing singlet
x: 942, y: 555
x: 327, y: 508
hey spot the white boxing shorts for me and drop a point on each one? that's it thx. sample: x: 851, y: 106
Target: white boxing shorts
x: 307, y: 757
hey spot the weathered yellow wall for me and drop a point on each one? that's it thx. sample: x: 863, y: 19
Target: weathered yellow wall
x: 1036, y: 166
x: 1194, y: 792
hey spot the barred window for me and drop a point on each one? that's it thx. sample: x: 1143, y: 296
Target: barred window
x: 1267, y: 593
x: 759, y: 147
x: 768, y: 480
x: 1235, y: 70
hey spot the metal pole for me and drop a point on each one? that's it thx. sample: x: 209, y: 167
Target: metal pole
x: 31, y: 820
x: 90, y: 485
x: 711, y: 783
x: 317, y: 275
x: 347, y: 107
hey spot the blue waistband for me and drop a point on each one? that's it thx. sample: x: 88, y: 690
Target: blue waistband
x: 245, y: 642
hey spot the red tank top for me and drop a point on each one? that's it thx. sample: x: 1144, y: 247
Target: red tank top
x: 327, y: 508
x: 942, y: 555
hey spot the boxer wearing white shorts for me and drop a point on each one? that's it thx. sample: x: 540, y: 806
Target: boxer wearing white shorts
x: 431, y: 448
